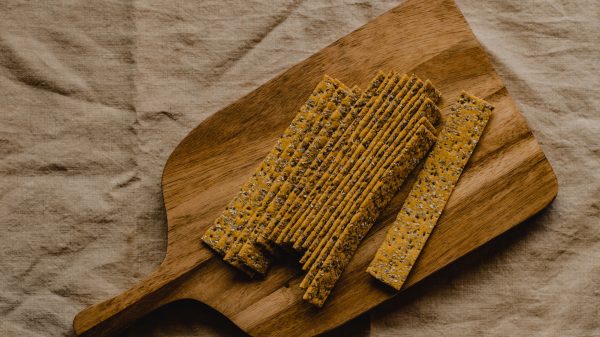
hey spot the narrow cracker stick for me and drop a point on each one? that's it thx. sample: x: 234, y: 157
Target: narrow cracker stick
x: 252, y: 255
x: 310, y: 190
x: 274, y: 227
x: 315, y: 174
x: 346, y: 246
x: 344, y: 162
x: 320, y: 219
x: 339, y: 119
x: 271, y: 166
x: 283, y: 148
x: 365, y: 164
x: 381, y: 120
x: 321, y: 252
x: 223, y: 223
x: 322, y: 243
x: 393, y: 140
x: 424, y: 205
x: 426, y: 115
x: 278, y: 169
x: 373, y: 121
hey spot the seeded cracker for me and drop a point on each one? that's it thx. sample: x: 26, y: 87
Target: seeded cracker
x: 251, y: 254
x: 338, y: 119
x: 386, y: 150
x: 223, y: 224
x: 356, y: 145
x: 277, y: 170
x: 345, y: 160
x: 380, y: 120
x: 269, y: 176
x: 427, y: 113
x: 313, y: 262
x: 366, y: 165
x: 312, y: 184
x: 286, y: 143
x: 344, y: 249
x: 275, y: 225
x: 433, y: 187
x: 320, y: 253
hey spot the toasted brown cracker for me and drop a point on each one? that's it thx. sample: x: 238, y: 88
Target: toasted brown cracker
x: 292, y: 151
x: 426, y: 113
x: 313, y: 184
x: 332, y: 267
x: 345, y: 160
x: 427, y: 199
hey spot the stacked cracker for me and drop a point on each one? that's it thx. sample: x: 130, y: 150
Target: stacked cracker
x: 321, y: 188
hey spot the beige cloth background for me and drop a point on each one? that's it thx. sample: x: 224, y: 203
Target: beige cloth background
x: 94, y: 95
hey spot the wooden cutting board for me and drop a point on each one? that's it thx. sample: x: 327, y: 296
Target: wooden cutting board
x: 507, y: 180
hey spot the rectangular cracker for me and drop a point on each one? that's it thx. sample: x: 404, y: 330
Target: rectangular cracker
x: 223, y: 225
x: 426, y: 113
x: 333, y: 266
x: 345, y: 160
x: 250, y: 253
x: 282, y: 149
x: 340, y: 118
x: 274, y: 226
x: 372, y: 122
x: 314, y: 185
x: 424, y: 205
x: 381, y: 120
x: 321, y: 252
x: 366, y: 163
x: 277, y: 170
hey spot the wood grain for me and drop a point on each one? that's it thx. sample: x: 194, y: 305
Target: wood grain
x: 507, y: 180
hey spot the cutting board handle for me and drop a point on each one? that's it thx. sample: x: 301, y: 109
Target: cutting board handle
x: 112, y: 316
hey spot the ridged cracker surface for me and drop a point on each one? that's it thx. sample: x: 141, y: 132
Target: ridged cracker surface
x: 345, y: 161
x: 385, y: 121
x: 282, y: 222
x: 293, y: 149
x: 345, y: 247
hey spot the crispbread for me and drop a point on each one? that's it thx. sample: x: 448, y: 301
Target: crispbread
x: 426, y: 113
x: 271, y: 164
x: 278, y: 169
x: 312, y: 260
x: 368, y: 162
x: 223, y: 226
x: 331, y: 129
x: 372, y: 123
x: 313, y: 188
x: 332, y: 267
x: 380, y: 121
x: 252, y: 255
x: 274, y: 228
x: 424, y: 205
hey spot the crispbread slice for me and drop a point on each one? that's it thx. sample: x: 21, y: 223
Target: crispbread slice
x: 252, y: 255
x: 280, y: 153
x: 276, y: 224
x: 372, y: 124
x: 328, y: 134
x: 223, y: 227
x: 365, y: 163
x: 321, y: 252
x: 278, y: 166
x: 424, y: 205
x: 333, y: 159
x: 424, y: 112
x: 310, y: 222
x: 346, y: 245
